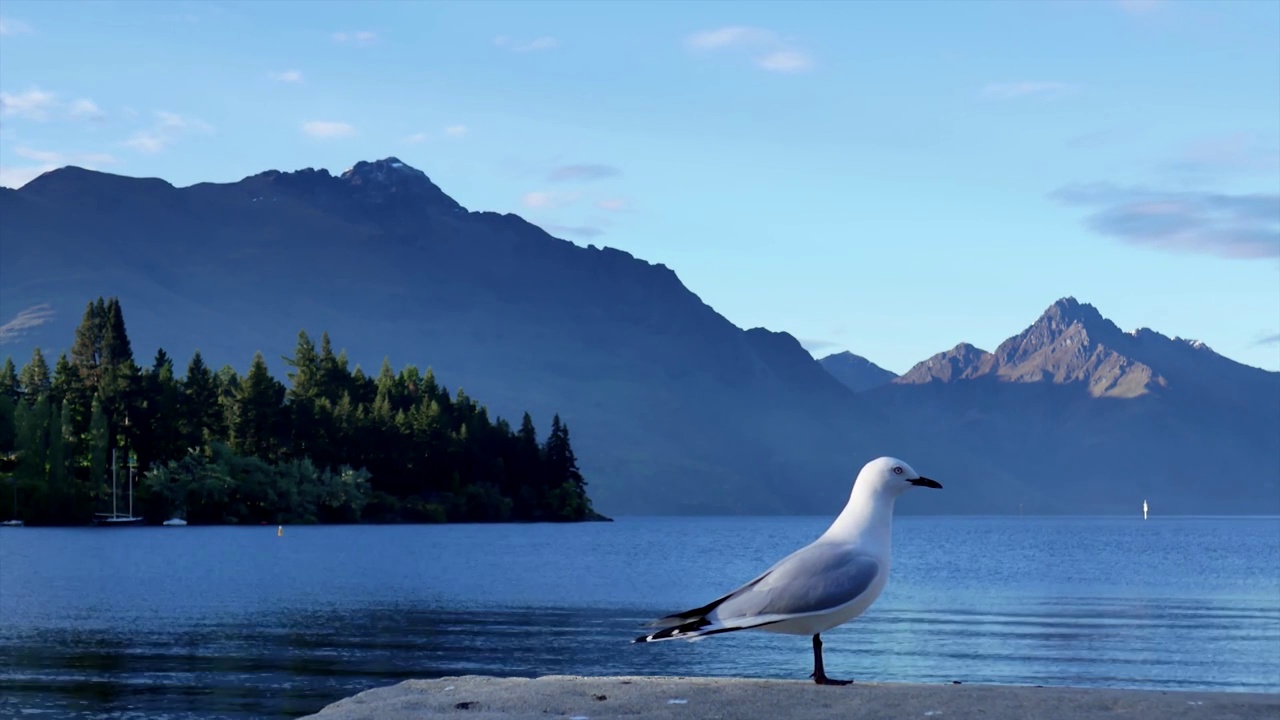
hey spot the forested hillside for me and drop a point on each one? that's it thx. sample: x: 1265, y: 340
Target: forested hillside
x: 334, y: 445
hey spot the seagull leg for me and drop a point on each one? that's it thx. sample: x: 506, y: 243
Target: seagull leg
x: 819, y: 676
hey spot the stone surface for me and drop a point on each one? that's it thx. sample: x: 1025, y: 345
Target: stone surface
x: 597, y: 698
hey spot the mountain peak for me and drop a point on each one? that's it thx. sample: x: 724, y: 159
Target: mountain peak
x: 856, y: 372
x: 386, y: 170
x: 962, y: 361
x: 1068, y: 310
x: 390, y: 180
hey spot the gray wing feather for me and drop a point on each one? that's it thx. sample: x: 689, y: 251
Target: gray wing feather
x: 815, y: 579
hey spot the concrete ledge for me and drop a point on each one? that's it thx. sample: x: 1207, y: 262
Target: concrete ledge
x: 596, y: 698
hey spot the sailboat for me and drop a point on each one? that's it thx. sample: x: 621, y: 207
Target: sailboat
x: 1144, y: 509
x: 113, y: 518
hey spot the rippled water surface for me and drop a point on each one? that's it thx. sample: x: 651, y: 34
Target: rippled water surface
x: 239, y: 623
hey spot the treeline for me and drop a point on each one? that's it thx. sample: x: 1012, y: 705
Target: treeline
x: 334, y: 445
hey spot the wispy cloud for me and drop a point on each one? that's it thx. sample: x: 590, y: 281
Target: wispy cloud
x: 9, y: 27
x: 548, y: 199
x: 1272, y: 339
x: 768, y: 49
x: 545, y: 42
x: 168, y: 129
x: 86, y: 109
x: 327, y: 129
x: 359, y: 37
x: 452, y: 132
x: 734, y: 35
x: 32, y: 104
x: 613, y: 204
x: 582, y: 172
x: 1236, y: 152
x: 60, y: 159
x: 32, y: 317
x: 816, y: 345
x: 39, y: 105
x: 288, y: 76
x: 1047, y: 89
x: 1230, y: 226
x: 785, y: 61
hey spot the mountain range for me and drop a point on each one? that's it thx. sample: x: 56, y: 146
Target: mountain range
x: 673, y: 409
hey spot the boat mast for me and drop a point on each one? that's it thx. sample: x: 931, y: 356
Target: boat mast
x: 113, y: 483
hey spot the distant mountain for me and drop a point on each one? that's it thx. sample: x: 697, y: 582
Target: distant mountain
x: 673, y: 409
x: 961, y: 361
x: 1075, y: 415
x: 856, y: 372
x: 1070, y: 343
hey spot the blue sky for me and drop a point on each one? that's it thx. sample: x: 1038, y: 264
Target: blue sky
x: 887, y: 178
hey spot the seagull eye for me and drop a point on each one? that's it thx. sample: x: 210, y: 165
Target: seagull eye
x: 897, y: 470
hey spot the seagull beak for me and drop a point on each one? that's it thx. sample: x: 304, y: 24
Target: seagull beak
x: 926, y: 482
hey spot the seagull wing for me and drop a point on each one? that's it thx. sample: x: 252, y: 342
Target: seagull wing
x: 816, y: 579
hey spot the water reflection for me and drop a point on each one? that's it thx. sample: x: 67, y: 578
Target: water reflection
x: 238, y: 623
x: 293, y: 662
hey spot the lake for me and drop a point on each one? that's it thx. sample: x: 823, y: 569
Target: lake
x: 235, y: 622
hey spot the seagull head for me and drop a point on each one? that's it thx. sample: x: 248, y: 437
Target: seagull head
x: 892, y: 477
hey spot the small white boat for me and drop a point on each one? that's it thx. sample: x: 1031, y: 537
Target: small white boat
x: 1144, y: 509
x: 175, y: 522
x: 12, y: 523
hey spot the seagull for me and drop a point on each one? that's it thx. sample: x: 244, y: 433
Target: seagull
x: 827, y: 583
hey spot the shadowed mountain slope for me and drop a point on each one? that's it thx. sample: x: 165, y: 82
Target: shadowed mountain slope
x: 673, y: 408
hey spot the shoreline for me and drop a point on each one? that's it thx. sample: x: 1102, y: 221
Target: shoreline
x: 594, y: 698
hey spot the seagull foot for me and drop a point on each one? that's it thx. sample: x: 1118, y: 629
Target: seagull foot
x: 824, y: 680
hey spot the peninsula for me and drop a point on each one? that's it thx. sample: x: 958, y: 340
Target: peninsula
x: 215, y: 447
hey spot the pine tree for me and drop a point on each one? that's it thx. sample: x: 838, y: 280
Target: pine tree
x: 305, y: 378
x: 35, y: 379
x: 256, y: 422
x: 564, y: 482
x: 334, y: 376
x: 119, y: 372
x: 160, y: 413
x: 9, y: 386
x: 202, y: 419
x: 86, y: 351
x: 116, y: 349
x: 304, y: 394
x: 572, y: 474
x: 63, y: 385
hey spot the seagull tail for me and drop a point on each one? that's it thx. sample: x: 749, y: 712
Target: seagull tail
x: 689, y: 630
x: 700, y: 628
